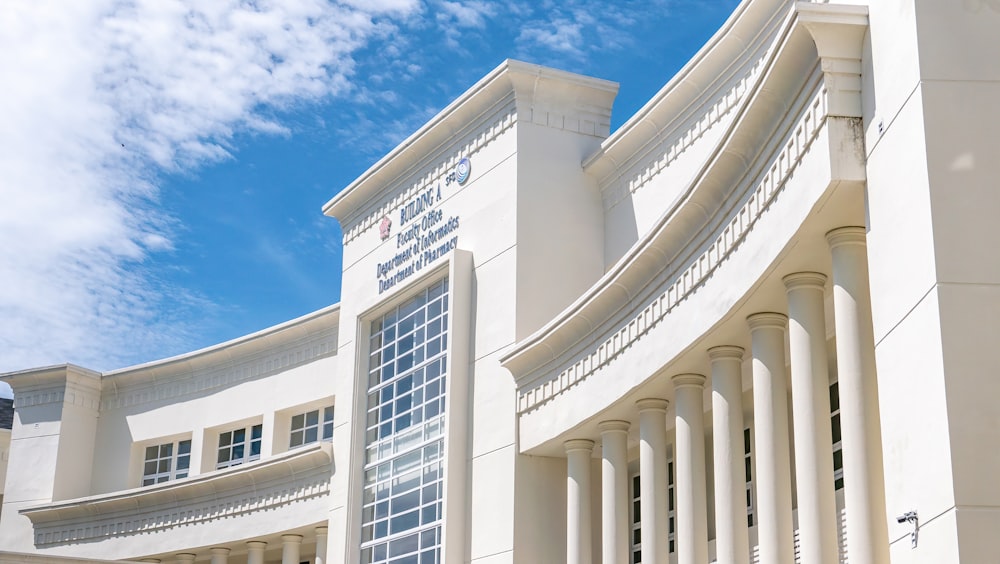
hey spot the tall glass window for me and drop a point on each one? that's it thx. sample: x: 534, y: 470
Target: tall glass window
x: 838, y: 448
x: 404, y: 455
x: 636, y: 540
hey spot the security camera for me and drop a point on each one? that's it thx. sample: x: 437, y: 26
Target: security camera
x: 901, y: 519
x: 908, y: 517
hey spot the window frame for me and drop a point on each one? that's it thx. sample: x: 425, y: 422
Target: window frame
x: 248, y: 442
x: 323, y: 427
x: 836, y: 437
x: 173, y: 458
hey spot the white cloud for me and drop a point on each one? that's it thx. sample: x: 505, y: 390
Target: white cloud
x: 469, y: 13
x: 561, y: 35
x: 101, y: 97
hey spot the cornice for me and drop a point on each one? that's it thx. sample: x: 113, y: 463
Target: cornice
x: 292, y: 343
x: 605, y: 321
x: 55, y: 384
x: 608, y: 303
x: 704, y: 77
x: 540, y: 95
x: 255, y: 487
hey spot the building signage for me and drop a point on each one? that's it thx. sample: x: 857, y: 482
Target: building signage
x: 424, y: 233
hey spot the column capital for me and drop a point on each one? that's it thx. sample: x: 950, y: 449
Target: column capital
x: 220, y: 550
x: 815, y: 280
x: 652, y: 404
x: 688, y: 381
x: 613, y: 426
x: 291, y: 538
x: 579, y: 444
x: 847, y: 236
x: 767, y: 320
x: 321, y: 530
x: 726, y: 351
x: 185, y: 557
x: 261, y: 545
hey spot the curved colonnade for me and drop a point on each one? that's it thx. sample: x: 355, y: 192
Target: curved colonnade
x: 785, y: 185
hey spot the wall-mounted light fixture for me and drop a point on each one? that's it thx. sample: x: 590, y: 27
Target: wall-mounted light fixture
x: 911, y: 517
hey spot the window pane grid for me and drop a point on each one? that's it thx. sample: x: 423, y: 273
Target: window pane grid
x: 306, y: 428
x: 403, y: 480
x: 236, y: 449
x: 169, y: 461
x: 838, y: 452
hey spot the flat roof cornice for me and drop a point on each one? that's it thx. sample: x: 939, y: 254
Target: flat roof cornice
x: 511, y: 78
x: 290, y: 331
x: 702, y: 76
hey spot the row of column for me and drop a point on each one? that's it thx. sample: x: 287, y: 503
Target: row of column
x: 867, y: 534
x: 290, y: 551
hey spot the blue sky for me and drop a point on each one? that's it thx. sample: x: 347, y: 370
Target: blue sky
x: 163, y: 162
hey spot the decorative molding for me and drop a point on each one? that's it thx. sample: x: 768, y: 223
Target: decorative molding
x: 675, y: 144
x: 71, y: 393
x: 503, y: 119
x: 797, y: 142
x: 233, y: 492
x: 688, y: 381
x: 223, y: 375
x: 567, y: 122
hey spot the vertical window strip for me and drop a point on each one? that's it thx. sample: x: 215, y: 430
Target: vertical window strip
x: 671, y: 510
x: 403, y: 479
x: 636, y: 521
x: 838, y: 452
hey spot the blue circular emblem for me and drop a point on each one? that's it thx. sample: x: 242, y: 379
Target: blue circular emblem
x: 462, y: 170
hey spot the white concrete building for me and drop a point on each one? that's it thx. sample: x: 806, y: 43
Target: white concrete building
x: 752, y: 325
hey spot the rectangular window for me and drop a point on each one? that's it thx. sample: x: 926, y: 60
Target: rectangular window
x: 403, y: 479
x: 169, y: 461
x: 838, y: 452
x: 636, y: 522
x: 636, y: 528
x: 239, y: 446
x: 307, y: 427
x: 671, y: 510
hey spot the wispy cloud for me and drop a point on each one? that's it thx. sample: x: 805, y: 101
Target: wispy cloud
x: 104, y: 98
x: 101, y: 99
x: 576, y: 29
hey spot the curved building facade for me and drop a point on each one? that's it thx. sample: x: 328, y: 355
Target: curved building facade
x: 751, y: 325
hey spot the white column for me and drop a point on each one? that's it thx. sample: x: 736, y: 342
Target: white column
x: 732, y: 542
x: 689, y: 461
x: 653, y: 479
x: 290, y: 545
x: 220, y: 555
x: 864, y: 482
x: 770, y: 407
x: 321, y: 533
x: 817, y: 505
x: 614, y: 491
x: 578, y: 453
x: 184, y: 558
x: 255, y: 552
